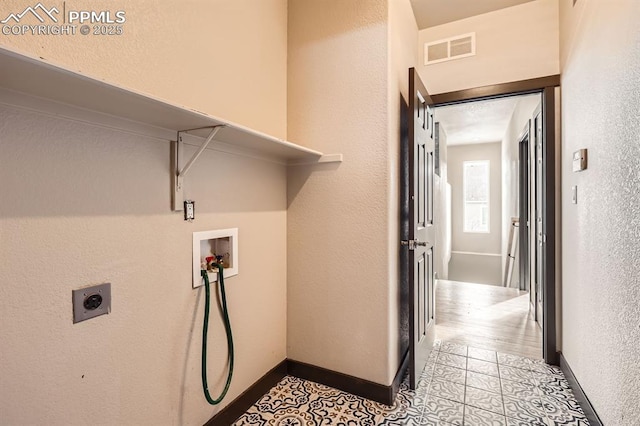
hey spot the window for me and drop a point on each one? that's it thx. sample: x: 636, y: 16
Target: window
x: 476, y: 196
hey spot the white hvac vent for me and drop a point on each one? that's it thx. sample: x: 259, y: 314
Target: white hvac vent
x: 448, y: 49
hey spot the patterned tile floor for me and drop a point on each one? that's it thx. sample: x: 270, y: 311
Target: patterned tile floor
x: 459, y: 386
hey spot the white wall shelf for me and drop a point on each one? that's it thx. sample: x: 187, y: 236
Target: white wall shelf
x: 33, y: 83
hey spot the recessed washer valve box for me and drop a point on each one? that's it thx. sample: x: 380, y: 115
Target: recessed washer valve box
x: 211, y: 248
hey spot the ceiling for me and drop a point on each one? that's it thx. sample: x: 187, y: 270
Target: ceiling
x: 430, y: 13
x: 477, y: 122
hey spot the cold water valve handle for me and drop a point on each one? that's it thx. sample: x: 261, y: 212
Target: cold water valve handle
x: 205, y: 327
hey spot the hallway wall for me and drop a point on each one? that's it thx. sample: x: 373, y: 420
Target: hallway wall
x: 601, y: 233
x: 516, y: 43
x: 475, y: 257
x: 522, y: 113
x: 442, y: 214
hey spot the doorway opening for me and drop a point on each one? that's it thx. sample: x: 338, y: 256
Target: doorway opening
x: 491, y: 176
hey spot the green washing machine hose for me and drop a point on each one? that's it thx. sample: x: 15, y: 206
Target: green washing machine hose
x: 205, y: 328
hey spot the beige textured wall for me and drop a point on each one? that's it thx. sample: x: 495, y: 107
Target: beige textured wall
x: 338, y: 217
x: 403, y: 54
x: 486, y: 243
x: 223, y: 57
x: 601, y: 234
x: 515, y: 43
x: 83, y: 205
x: 570, y: 16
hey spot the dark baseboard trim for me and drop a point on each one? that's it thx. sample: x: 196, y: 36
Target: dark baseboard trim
x: 497, y: 90
x: 344, y: 382
x: 584, y: 402
x: 246, y: 399
x: 354, y: 385
x: 404, y: 366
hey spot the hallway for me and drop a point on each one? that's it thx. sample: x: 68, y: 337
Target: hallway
x: 487, y: 317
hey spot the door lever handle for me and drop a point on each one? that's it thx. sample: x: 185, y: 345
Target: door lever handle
x: 413, y: 244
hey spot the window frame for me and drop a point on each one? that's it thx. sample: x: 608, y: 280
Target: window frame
x: 464, y: 196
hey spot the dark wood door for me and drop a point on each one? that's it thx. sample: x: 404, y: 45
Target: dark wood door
x: 420, y: 182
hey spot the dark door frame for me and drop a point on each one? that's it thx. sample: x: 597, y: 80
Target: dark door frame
x: 546, y: 87
x: 524, y: 184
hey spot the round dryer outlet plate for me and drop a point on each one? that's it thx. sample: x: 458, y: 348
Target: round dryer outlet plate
x: 90, y: 302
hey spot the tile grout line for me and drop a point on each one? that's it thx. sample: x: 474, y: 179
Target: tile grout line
x: 431, y: 377
x: 464, y: 394
x: 504, y: 408
x: 535, y: 386
x: 428, y: 387
x: 541, y: 395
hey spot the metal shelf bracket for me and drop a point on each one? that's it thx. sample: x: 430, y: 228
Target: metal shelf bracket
x: 177, y: 173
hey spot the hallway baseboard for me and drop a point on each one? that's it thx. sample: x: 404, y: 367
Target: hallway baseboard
x: 578, y: 392
x: 344, y: 382
x: 246, y: 399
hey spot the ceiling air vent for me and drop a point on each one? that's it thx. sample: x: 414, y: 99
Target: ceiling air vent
x: 448, y: 49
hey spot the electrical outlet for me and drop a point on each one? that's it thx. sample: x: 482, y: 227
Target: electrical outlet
x: 189, y: 210
x: 91, y: 302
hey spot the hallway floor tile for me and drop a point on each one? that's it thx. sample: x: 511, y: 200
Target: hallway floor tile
x: 459, y: 386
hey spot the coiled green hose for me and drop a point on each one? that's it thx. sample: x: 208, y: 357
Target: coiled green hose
x: 205, y: 328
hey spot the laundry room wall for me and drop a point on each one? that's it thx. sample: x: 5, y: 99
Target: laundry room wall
x: 348, y: 71
x: 225, y: 58
x: 338, y: 215
x: 83, y: 205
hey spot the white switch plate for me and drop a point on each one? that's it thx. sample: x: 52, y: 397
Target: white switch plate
x: 580, y: 160
x: 574, y: 194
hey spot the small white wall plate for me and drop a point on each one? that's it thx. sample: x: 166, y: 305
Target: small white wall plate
x: 207, y: 243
